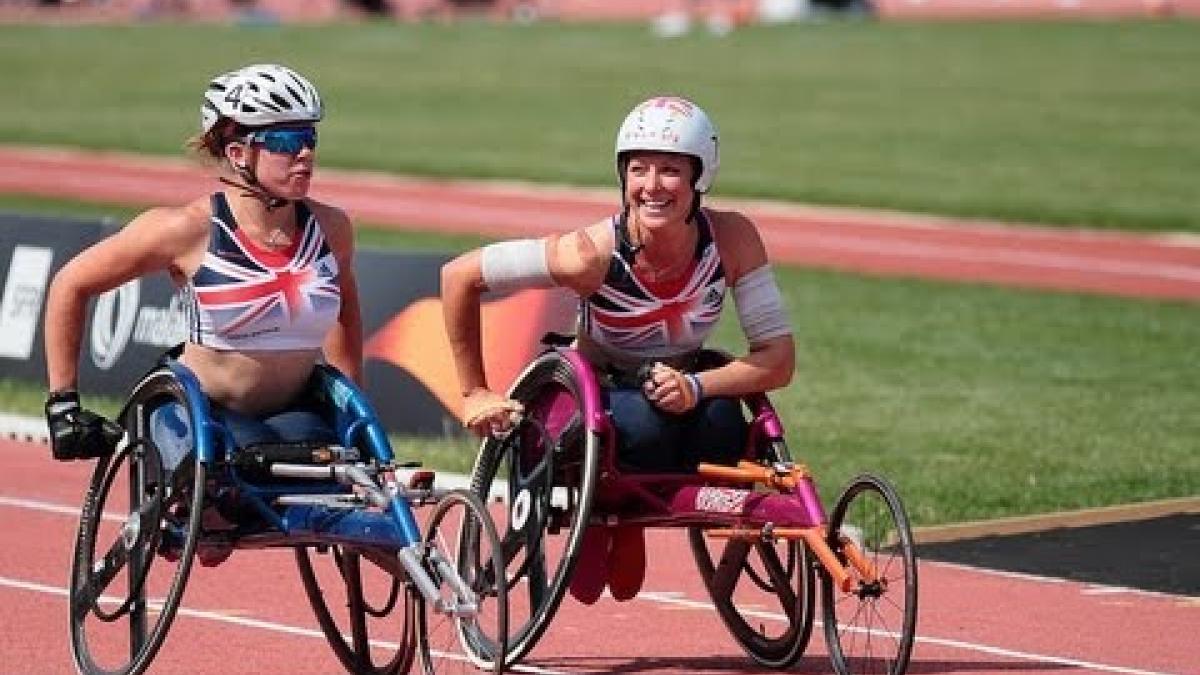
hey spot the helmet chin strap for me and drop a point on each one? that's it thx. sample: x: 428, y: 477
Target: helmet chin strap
x: 250, y: 187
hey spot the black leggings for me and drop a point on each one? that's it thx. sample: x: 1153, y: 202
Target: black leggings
x: 650, y: 440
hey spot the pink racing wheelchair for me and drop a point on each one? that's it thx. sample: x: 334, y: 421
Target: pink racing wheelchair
x: 758, y: 531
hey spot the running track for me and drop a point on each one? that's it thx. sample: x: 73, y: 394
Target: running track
x: 249, y: 615
x: 891, y: 244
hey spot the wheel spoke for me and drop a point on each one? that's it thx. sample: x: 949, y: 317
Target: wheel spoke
x: 871, y: 629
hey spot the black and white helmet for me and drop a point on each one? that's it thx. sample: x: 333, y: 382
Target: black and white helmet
x: 260, y: 95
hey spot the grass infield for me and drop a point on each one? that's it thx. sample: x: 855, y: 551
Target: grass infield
x: 1080, y: 123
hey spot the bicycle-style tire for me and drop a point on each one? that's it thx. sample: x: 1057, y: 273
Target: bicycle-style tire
x: 871, y: 628
x: 460, y: 532
x: 150, y: 539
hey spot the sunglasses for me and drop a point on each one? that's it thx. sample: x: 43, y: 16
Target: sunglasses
x: 288, y: 140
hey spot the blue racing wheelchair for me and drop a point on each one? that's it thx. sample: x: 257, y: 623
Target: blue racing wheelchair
x: 391, y: 594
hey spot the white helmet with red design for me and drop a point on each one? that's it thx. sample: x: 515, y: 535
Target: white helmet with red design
x: 671, y: 124
x: 260, y: 95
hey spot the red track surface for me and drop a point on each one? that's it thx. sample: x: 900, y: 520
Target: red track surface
x: 249, y: 615
x: 863, y: 241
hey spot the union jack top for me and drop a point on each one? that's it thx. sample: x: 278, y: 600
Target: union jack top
x: 644, y: 319
x: 245, y: 297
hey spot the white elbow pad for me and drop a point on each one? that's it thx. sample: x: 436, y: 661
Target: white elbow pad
x: 760, y: 306
x: 519, y: 263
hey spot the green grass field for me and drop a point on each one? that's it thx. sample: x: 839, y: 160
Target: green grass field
x: 978, y: 401
x: 1090, y: 123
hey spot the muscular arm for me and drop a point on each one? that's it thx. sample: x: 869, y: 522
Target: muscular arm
x: 462, y: 284
x: 156, y: 240
x: 573, y: 261
x: 343, y: 346
x: 769, y: 363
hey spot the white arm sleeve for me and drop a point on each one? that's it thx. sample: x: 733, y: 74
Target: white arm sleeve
x: 760, y: 305
x: 519, y: 263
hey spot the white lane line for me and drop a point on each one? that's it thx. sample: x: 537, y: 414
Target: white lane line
x: 47, y: 507
x: 672, y: 599
x: 220, y: 617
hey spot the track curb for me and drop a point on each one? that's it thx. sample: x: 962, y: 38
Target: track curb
x: 1102, y: 515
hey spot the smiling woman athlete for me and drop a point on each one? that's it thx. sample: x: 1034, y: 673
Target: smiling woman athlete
x: 651, y: 282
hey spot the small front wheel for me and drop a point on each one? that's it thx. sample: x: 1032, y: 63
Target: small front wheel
x: 871, y: 627
x: 465, y: 628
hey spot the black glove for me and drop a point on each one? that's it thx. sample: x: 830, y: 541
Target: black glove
x: 76, y: 433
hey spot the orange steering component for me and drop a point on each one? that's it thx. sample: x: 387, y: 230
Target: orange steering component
x: 778, y: 477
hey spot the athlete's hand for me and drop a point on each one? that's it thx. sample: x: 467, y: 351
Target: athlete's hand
x: 671, y: 390
x: 76, y: 433
x: 489, y: 414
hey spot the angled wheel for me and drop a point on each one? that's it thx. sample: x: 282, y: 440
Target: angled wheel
x: 871, y: 628
x: 548, y: 468
x: 745, y: 579
x: 367, y: 615
x: 138, y: 531
x: 466, y: 627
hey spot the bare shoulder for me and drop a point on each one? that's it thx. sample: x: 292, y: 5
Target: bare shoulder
x: 739, y: 242
x: 579, y: 258
x: 328, y: 214
x: 333, y: 220
x: 335, y: 223
x: 168, y: 237
x: 182, y: 225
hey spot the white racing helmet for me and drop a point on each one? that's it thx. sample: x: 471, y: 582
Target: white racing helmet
x: 260, y: 95
x: 671, y: 124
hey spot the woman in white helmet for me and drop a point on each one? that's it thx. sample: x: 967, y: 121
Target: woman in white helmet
x: 266, y: 274
x: 651, y: 282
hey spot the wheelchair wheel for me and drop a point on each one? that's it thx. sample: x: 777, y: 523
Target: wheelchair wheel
x: 549, y: 466
x: 466, y: 628
x: 871, y: 628
x: 138, y: 531
x: 755, y: 576
x: 367, y: 615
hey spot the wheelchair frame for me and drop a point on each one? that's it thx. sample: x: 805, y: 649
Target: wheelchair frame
x: 347, y: 499
x: 562, y: 473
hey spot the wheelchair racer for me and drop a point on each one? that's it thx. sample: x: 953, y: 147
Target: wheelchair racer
x: 652, y: 282
x: 266, y: 274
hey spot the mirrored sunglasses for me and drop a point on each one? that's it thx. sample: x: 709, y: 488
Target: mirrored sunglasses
x: 288, y: 140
